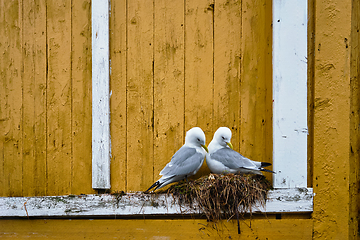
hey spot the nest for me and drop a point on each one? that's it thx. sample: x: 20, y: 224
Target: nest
x: 222, y: 196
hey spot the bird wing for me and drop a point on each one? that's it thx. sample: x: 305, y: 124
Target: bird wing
x: 232, y: 159
x: 184, y: 161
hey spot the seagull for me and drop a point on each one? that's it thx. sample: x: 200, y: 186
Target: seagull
x: 186, y: 161
x: 222, y: 159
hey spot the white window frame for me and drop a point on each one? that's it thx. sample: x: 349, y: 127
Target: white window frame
x: 101, y: 145
x: 291, y: 194
x: 290, y: 93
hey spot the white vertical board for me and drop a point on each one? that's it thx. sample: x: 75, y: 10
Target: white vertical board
x: 100, y: 95
x: 290, y: 93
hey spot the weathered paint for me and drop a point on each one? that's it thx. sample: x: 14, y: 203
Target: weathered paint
x: 100, y: 95
x: 168, y: 81
x: 227, y: 67
x: 354, y: 174
x: 59, y: 137
x: 81, y: 97
x: 11, y: 97
x: 157, y: 229
x: 333, y: 84
x: 290, y: 94
x: 332, y: 144
x: 256, y: 81
x: 296, y: 200
x: 199, y: 68
x: 169, y: 72
x: 310, y: 90
x: 45, y: 98
x: 140, y: 94
x: 118, y: 98
x: 34, y: 99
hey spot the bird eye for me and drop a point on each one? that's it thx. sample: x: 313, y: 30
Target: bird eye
x: 223, y: 137
x: 198, y: 140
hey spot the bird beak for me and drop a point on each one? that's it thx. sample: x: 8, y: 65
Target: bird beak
x: 230, y: 145
x: 204, y: 146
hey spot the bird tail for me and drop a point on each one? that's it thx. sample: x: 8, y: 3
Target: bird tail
x: 265, y: 164
x: 265, y: 170
x: 156, y: 185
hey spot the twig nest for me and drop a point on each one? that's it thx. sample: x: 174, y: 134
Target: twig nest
x: 220, y: 196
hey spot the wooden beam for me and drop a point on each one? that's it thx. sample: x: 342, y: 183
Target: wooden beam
x: 156, y: 229
x: 334, y: 95
x: 290, y: 93
x: 297, y: 200
x: 100, y: 95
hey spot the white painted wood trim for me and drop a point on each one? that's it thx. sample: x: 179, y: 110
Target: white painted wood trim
x: 100, y: 95
x: 290, y: 93
x: 138, y: 204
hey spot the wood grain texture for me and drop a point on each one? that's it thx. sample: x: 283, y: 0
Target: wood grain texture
x: 168, y: 81
x: 227, y: 67
x: 59, y: 98
x: 174, y: 65
x: 81, y: 96
x: 310, y: 82
x: 332, y: 97
x: 157, y: 229
x: 256, y: 83
x: 118, y: 98
x: 354, y: 174
x: 3, y: 115
x: 140, y: 84
x: 34, y: 98
x: 12, y: 73
x: 199, y: 41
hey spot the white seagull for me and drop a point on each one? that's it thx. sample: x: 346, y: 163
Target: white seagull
x: 222, y: 159
x: 186, y: 161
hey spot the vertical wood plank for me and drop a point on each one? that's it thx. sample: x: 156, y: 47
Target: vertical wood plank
x: 118, y: 45
x: 354, y: 174
x: 199, y: 68
x: 140, y: 124
x: 12, y: 117
x: 100, y: 95
x: 168, y: 81
x: 34, y: 98
x: 227, y: 59
x: 3, y: 115
x: 310, y: 84
x: 256, y: 84
x: 81, y: 96
x: 290, y: 94
x: 332, y: 94
x: 59, y: 97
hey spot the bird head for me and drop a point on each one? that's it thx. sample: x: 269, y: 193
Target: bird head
x: 196, y: 137
x: 223, y: 137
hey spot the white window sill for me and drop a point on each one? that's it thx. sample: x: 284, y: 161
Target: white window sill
x: 297, y: 200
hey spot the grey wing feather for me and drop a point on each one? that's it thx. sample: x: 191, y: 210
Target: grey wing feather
x: 232, y: 159
x: 184, y: 161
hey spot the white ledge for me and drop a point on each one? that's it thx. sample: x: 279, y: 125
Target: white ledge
x: 297, y: 200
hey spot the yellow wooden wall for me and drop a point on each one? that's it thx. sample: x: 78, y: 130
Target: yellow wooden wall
x: 45, y: 99
x: 335, y: 118
x: 174, y: 65
x: 154, y: 229
x: 180, y: 64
